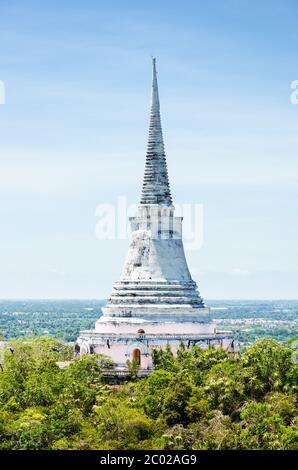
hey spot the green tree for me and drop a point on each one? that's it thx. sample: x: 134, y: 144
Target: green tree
x: 30, y: 431
x: 133, y: 366
x: 177, y: 395
x: 122, y: 426
x: 224, y: 386
x: 86, y: 370
x: 164, y: 359
x: 43, y: 385
x: 265, y: 429
x: 150, y: 392
x: 198, y: 406
x: 269, y: 363
x: 218, y: 433
x: 199, y: 399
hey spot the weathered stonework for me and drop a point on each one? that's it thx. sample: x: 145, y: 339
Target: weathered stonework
x: 156, y: 187
x: 155, y: 302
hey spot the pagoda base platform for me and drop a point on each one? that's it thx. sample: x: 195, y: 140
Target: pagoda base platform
x: 125, y: 339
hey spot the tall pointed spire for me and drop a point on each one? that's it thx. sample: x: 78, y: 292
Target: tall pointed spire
x: 156, y: 187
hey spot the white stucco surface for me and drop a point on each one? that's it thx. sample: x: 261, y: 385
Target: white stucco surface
x: 155, y: 302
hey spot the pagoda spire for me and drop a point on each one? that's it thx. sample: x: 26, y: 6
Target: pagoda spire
x: 156, y: 187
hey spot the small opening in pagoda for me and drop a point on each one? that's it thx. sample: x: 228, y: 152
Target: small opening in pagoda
x: 136, y: 356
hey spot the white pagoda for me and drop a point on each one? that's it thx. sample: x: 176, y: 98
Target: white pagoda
x: 156, y: 302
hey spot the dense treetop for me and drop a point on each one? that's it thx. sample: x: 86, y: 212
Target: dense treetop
x: 200, y: 399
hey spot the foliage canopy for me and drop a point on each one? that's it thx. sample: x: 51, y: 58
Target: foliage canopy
x: 199, y: 399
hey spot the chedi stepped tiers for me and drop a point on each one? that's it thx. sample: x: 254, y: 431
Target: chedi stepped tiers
x: 156, y: 302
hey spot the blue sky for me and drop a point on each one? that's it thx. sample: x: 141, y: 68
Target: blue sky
x: 74, y: 126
